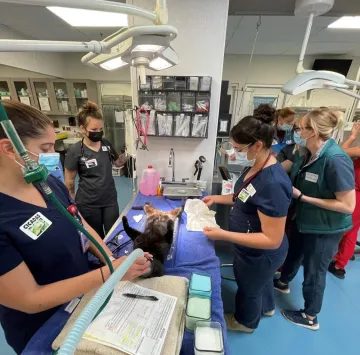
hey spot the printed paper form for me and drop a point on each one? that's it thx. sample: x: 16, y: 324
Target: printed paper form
x: 134, y: 326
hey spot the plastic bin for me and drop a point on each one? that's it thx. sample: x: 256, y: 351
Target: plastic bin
x: 174, y: 101
x: 202, y: 102
x: 146, y: 100
x: 200, y: 284
x: 168, y: 83
x: 205, y: 83
x: 182, y: 125
x: 160, y: 101
x: 208, y: 339
x: 165, y: 124
x: 188, y: 102
x: 199, y: 125
x: 193, y: 83
x: 157, y: 82
x: 197, y: 309
x: 180, y: 83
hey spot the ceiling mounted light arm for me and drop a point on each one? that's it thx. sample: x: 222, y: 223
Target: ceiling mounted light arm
x: 300, y: 66
x: 164, y: 30
x: 349, y: 93
x: 51, y: 46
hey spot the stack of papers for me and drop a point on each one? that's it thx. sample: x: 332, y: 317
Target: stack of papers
x: 134, y: 326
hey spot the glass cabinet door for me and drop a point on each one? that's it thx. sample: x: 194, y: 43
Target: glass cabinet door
x: 4, y: 90
x: 23, y: 91
x: 62, y: 97
x: 41, y: 90
x: 80, y: 94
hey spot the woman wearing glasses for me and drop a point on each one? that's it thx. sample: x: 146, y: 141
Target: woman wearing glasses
x: 257, y: 221
x: 323, y: 180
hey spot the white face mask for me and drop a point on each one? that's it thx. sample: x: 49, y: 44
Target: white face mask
x: 242, y: 159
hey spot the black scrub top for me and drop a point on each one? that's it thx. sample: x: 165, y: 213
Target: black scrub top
x: 49, y: 245
x: 272, y: 197
x: 96, y: 185
x: 286, y: 153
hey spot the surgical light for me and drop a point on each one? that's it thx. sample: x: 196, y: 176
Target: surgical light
x: 147, y: 48
x: 159, y: 64
x: 89, y: 18
x: 113, y: 64
x: 346, y: 22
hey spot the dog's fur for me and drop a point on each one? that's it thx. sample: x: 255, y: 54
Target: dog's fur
x: 157, y: 236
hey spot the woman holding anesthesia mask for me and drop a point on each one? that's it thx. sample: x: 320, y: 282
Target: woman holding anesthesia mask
x: 323, y: 180
x: 43, y: 257
x: 257, y: 221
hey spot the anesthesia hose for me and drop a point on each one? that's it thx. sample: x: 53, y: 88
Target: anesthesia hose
x: 37, y: 174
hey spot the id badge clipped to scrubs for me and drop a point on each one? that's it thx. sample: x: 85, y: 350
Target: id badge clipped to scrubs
x: 85, y: 244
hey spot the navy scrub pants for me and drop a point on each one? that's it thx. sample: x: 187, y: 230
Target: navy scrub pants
x: 315, y: 252
x: 254, y: 272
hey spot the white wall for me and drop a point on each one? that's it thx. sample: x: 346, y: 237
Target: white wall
x: 45, y: 63
x: 279, y: 69
x: 200, y: 46
x: 73, y: 68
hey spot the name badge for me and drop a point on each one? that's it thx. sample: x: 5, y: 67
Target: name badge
x: 104, y: 148
x: 312, y: 177
x: 243, y: 195
x: 289, y: 142
x: 36, y: 226
x: 251, y: 190
x: 92, y: 163
x: 274, y: 142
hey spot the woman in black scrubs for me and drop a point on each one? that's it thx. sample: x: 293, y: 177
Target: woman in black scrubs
x: 257, y: 221
x: 92, y: 159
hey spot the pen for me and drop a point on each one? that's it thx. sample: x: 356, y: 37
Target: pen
x: 133, y: 295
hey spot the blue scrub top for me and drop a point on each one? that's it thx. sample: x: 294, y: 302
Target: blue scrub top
x: 277, y: 145
x: 49, y: 245
x: 272, y: 197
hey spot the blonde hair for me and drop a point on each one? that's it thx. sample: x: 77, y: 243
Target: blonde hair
x: 285, y: 112
x: 323, y: 122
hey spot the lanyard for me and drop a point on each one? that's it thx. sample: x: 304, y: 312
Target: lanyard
x: 111, y: 156
x: 251, y: 178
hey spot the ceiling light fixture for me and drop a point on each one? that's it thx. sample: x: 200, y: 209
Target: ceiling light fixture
x: 89, y: 18
x: 346, y: 22
x: 159, y: 64
x: 113, y: 64
x: 147, y: 48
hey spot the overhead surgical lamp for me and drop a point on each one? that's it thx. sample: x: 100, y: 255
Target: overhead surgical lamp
x: 140, y: 46
x: 316, y: 79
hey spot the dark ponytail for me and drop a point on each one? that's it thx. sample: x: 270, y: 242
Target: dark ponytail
x: 252, y: 129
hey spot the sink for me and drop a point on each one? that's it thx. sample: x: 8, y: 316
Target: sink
x: 182, y: 191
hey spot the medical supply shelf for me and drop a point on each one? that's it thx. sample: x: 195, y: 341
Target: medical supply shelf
x: 174, y: 96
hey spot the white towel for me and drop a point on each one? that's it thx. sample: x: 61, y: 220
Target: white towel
x: 199, y: 216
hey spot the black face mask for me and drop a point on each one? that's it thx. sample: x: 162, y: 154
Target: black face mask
x: 95, y: 136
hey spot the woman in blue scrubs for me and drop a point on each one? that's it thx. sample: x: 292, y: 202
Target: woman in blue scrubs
x: 43, y: 258
x: 284, y: 121
x: 257, y: 221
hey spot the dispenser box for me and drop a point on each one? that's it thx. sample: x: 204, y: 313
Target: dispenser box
x: 208, y: 339
x: 200, y: 285
x: 198, y: 309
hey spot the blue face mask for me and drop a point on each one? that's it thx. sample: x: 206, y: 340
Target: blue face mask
x: 50, y: 160
x: 286, y: 127
x: 298, y: 140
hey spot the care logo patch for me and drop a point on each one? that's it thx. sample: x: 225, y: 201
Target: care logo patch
x: 36, y: 226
